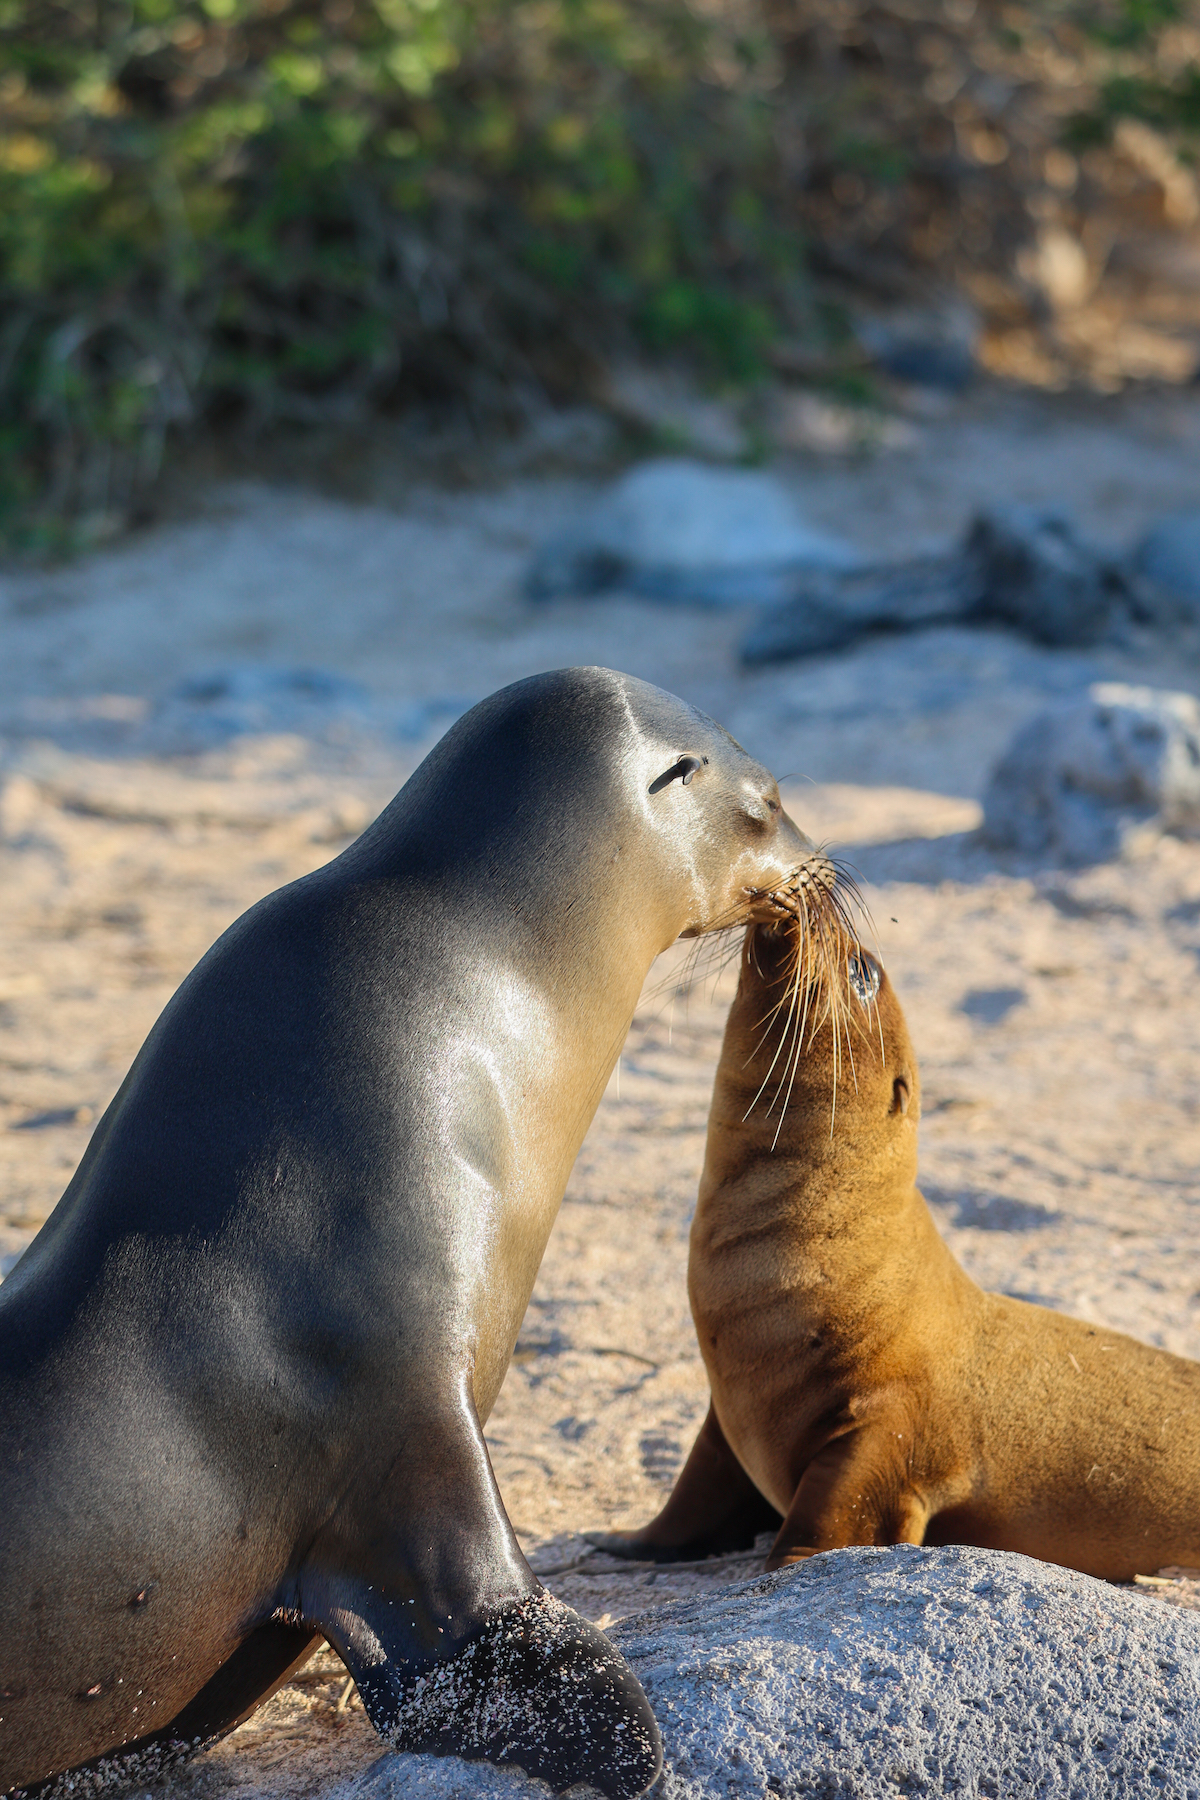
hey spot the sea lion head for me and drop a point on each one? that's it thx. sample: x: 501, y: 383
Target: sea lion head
x: 713, y: 811
x: 591, y: 786
x: 817, y: 1053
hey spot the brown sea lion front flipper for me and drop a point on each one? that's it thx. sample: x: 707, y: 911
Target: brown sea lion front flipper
x: 419, y: 1584
x: 714, y: 1508
x: 854, y: 1491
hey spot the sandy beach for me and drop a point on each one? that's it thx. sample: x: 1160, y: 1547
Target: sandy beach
x: 1054, y: 1012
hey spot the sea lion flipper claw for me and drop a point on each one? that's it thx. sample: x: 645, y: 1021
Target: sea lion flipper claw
x: 714, y: 1509
x: 828, y: 1510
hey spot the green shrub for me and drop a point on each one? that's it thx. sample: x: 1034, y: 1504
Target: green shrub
x: 301, y: 211
x: 305, y: 210
x: 1138, y: 85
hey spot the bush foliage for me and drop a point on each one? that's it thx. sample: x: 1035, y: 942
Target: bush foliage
x: 307, y: 209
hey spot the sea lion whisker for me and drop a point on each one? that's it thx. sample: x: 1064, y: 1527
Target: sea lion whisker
x: 797, y: 1051
x: 783, y: 1109
x: 849, y: 887
x: 780, y: 1005
x: 768, y: 1019
x: 850, y: 1051
x: 764, y: 1028
x: 729, y: 952
x: 679, y: 984
x: 822, y: 905
x: 825, y: 952
x: 766, y: 1078
x: 802, y: 976
x: 785, y: 999
x: 790, y: 996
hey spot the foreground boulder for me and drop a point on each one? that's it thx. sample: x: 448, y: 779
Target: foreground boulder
x: 1097, y: 776
x: 871, y: 1673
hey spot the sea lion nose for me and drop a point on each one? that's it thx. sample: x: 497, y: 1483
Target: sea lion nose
x: 791, y: 836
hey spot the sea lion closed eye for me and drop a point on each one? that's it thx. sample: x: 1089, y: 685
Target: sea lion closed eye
x: 683, y: 770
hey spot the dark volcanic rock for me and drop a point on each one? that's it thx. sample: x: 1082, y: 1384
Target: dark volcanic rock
x: 1169, y: 558
x: 830, y: 610
x: 1030, y: 570
x: 1015, y: 567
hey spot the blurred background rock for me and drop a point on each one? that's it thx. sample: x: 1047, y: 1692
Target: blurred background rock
x: 718, y: 222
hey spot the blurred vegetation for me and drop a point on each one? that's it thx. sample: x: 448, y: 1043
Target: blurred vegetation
x: 306, y: 210
x: 1156, y: 76
x: 300, y: 210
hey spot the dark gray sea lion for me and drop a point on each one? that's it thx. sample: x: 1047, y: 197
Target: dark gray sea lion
x: 245, y: 1364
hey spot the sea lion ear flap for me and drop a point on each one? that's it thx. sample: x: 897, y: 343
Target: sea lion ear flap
x: 683, y: 770
x: 901, y: 1094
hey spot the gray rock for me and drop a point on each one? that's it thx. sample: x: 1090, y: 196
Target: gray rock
x: 243, y: 699
x: 237, y: 699
x: 829, y: 611
x: 1169, y: 558
x: 1024, y: 569
x: 1095, y: 777
x: 869, y: 1673
x: 1030, y: 570
x: 929, y: 349
x: 681, y: 531
x: 928, y: 362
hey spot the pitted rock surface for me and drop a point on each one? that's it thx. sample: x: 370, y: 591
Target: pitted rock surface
x: 1099, y: 776
x: 871, y: 1673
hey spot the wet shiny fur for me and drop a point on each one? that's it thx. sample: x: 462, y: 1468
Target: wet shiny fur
x: 245, y: 1365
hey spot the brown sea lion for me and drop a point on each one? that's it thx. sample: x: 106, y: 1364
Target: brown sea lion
x: 863, y: 1386
x: 246, y: 1364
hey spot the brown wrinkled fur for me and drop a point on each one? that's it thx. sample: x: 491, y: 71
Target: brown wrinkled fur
x: 861, y: 1381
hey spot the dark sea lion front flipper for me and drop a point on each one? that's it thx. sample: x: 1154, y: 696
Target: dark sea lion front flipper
x: 714, y: 1509
x: 537, y: 1686
x: 420, y: 1586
